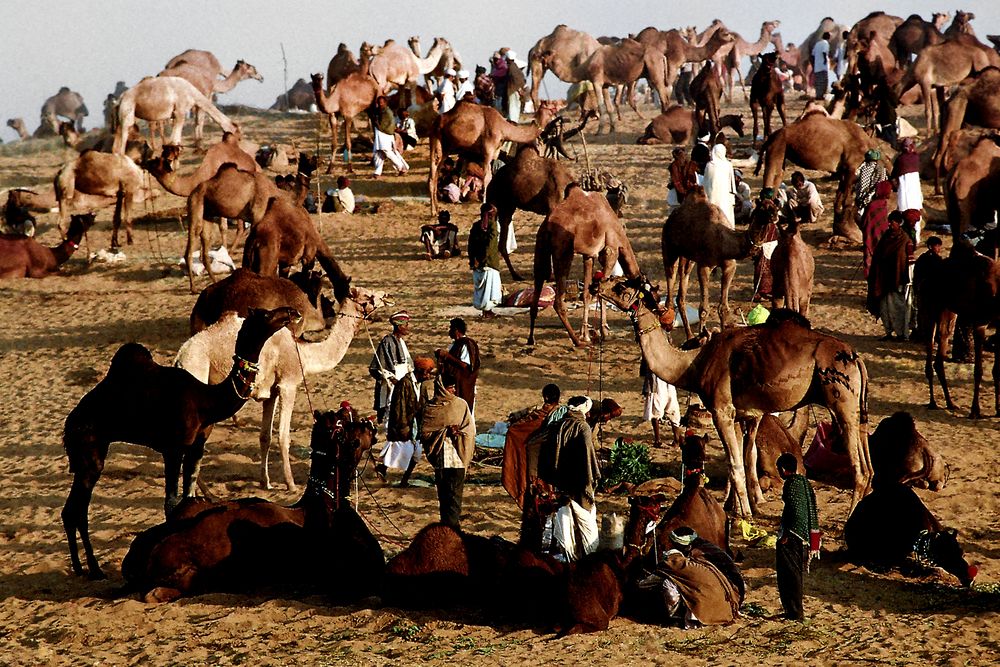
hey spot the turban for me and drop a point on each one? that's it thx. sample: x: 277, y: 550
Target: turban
x: 399, y: 316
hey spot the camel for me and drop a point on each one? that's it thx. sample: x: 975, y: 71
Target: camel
x: 529, y: 182
x: 64, y: 104
x: 706, y: 90
x: 971, y: 196
x: 621, y: 66
x: 792, y: 269
x: 284, y: 237
x: 766, y: 94
x: 106, y: 177
x: 697, y: 232
x: 771, y: 439
x: 396, y: 65
x: 299, y: 96
x: 976, y: 101
x: 969, y: 288
x: 679, y: 51
x: 791, y: 365
x: 805, y: 48
x: 136, y: 147
x: 913, y: 34
x: 563, y: 52
x: 731, y: 55
x: 284, y: 362
x: 477, y: 131
x: 226, y: 151
x: 678, y: 125
x: 450, y: 59
x: 319, y: 542
x: 342, y: 64
x: 582, y: 224
x: 17, y: 124
x: 881, y: 24
x: 348, y: 98
x: 208, y: 83
x: 159, y: 407
x: 942, y: 65
x: 204, y: 60
x: 823, y: 144
x: 24, y: 257
x: 960, y: 25
x: 160, y: 99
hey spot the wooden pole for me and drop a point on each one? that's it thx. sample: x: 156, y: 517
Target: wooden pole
x: 285, y: 63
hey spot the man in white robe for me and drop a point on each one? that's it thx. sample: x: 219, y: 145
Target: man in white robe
x: 720, y: 183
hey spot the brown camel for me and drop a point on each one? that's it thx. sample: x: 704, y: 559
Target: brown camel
x: 17, y: 124
x: 160, y: 407
x: 731, y: 55
x: 344, y: 62
x: 791, y: 365
x: 679, y: 51
x: 476, y: 131
x: 792, y: 269
x: 396, y: 65
x: 971, y: 194
x: 913, y: 34
x: 942, y: 65
x: 767, y: 93
x: 299, y: 96
x: 822, y: 144
x: 976, y: 101
x: 106, y: 178
x: 968, y: 287
x: 677, y: 125
x: 209, y: 84
x: 582, y: 224
x: 529, y: 182
x: 771, y: 440
x: 882, y: 24
x: 706, y: 91
x: 160, y: 99
x: 960, y: 25
x: 204, y: 60
x: 697, y: 232
x: 136, y: 147
x: 319, y: 542
x: 561, y: 52
x: 24, y: 257
x: 226, y: 151
x: 348, y: 98
x: 64, y: 104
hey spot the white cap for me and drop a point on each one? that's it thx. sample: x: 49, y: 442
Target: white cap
x: 463, y: 74
x: 511, y: 55
x: 449, y: 72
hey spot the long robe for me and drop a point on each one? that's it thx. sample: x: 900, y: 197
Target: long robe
x: 438, y: 411
x: 706, y: 591
x: 720, y: 183
x: 514, y: 474
x: 875, y: 221
x: 464, y: 377
x: 390, y: 354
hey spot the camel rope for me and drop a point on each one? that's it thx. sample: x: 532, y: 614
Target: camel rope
x: 305, y: 382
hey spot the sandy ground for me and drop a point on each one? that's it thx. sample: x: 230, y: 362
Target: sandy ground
x: 57, y: 337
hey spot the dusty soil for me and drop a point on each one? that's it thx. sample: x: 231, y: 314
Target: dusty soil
x: 57, y: 337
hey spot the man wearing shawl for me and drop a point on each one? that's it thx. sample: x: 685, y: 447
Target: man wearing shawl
x: 875, y: 221
x: 448, y: 435
x: 720, y: 183
x: 460, y: 363
x: 402, y: 449
x: 484, y: 260
x: 889, y: 279
x: 906, y: 175
x: 683, y: 173
x: 391, y: 361
x: 522, y: 426
x: 798, y: 536
x: 384, y: 126
x: 867, y: 176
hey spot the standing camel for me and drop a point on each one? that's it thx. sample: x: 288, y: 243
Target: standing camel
x: 396, y: 65
x: 226, y: 151
x: 971, y: 192
x: 706, y: 91
x: 343, y: 63
x: 209, y: 84
x: 352, y: 95
x: 159, y: 407
x: 160, y: 99
x: 881, y: 24
x: 476, y: 131
x: 913, y: 34
x: 731, y: 55
x: 450, y: 59
x: 766, y: 94
x: 582, y: 224
x: 204, y: 60
x: 24, y: 257
x: 679, y: 51
x: 64, y: 104
x: 780, y: 365
x: 697, y: 232
x: 976, y: 101
x: 563, y: 52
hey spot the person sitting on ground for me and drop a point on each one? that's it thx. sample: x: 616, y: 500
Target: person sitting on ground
x: 451, y: 193
x: 471, y: 186
x: 441, y: 240
x: 807, y: 205
x: 341, y: 199
x: 744, y: 199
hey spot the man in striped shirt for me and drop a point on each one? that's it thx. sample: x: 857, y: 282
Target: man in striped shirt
x: 799, y: 529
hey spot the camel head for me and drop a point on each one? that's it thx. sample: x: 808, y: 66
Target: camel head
x: 765, y: 213
x: 67, y: 130
x: 414, y: 44
x: 317, y: 81
x: 628, y: 294
x: 248, y: 71
x: 939, y: 19
x: 369, y: 302
x: 165, y: 163
x: 644, y: 512
x: 79, y: 224
x: 770, y: 26
x: 693, y: 452
x: 339, y: 441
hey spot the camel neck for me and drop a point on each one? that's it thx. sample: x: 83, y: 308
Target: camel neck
x: 664, y: 360
x: 62, y: 252
x: 326, y: 354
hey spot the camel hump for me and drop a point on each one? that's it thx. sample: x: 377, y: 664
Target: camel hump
x: 779, y: 316
x: 130, y: 359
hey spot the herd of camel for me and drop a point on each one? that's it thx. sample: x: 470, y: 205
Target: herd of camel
x: 282, y: 330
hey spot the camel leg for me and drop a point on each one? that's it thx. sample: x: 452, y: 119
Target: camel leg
x: 588, y: 275
x: 125, y: 198
x: 206, y: 245
x: 178, y: 130
x: 171, y: 472
x: 750, y: 458
x: 266, y: 429
x: 75, y: 513
x: 728, y: 272
x: 192, y: 465
x: 669, y: 271
x: 685, y: 276
x: 199, y: 122
x: 946, y: 329
x: 929, y: 364
x: 196, y: 221
x: 542, y: 268
x: 979, y: 338
x: 611, y: 109
x: 286, y: 403
x: 704, y: 278
x: 561, y: 266
x: 724, y: 420
x: 755, y: 111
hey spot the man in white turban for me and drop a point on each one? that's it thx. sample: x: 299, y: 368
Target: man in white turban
x: 720, y: 183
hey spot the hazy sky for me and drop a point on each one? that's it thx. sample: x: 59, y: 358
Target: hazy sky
x: 88, y: 46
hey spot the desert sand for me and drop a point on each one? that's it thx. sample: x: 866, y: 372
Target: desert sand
x: 57, y: 337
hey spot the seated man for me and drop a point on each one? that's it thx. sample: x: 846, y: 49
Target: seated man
x: 341, y: 199
x: 806, y: 202
x: 441, y: 240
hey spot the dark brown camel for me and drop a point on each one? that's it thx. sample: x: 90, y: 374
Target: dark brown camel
x: 706, y: 91
x: 286, y: 236
x: 696, y: 232
x: 24, y: 257
x: 913, y: 34
x: 240, y: 545
x: 968, y: 287
x: 971, y: 191
x: 159, y: 407
x: 529, y: 182
x: 677, y: 125
x: 976, y: 101
x: 767, y: 93
x: 792, y: 269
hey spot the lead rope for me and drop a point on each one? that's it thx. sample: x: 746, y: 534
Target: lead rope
x: 305, y: 383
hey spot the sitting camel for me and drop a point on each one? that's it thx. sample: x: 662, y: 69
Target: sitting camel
x: 283, y: 364
x: 790, y: 365
x: 767, y: 93
x: 160, y: 407
x: 772, y: 439
x: 320, y: 542
x: 792, y: 270
x: 822, y: 144
x: 300, y: 96
x: 24, y: 257
x: 529, y: 182
x: 104, y: 178
x: 677, y: 125
x: 697, y: 232
x: 582, y: 224
x: 477, y: 131
x: 160, y: 99
x: 893, y: 528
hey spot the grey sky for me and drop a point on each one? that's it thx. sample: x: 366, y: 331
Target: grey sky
x: 88, y: 46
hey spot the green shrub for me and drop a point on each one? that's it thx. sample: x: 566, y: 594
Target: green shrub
x: 629, y: 463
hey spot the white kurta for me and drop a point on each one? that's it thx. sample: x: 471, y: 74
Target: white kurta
x: 720, y: 183
x: 909, y: 196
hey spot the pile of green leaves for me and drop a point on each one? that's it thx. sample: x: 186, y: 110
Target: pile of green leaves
x: 629, y: 462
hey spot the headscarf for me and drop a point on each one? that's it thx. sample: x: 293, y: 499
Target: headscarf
x: 873, y: 154
x: 908, y: 145
x: 399, y: 316
x: 580, y: 404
